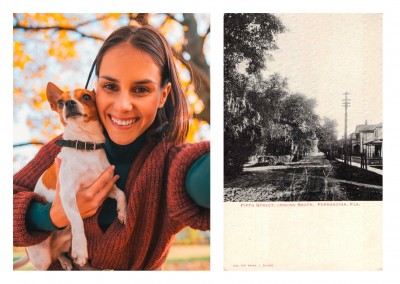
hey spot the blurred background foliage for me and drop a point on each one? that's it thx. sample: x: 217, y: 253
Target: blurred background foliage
x: 61, y: 48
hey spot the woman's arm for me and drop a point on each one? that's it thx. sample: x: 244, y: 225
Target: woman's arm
x: 24, y: 183
x: 38, y: 217
x: 184, y: 209
x: 198, y: 181
x: 51, y: 216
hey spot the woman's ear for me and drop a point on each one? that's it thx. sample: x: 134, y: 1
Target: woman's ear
x: 164, y: 94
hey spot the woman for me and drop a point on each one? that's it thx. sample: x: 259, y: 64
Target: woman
x: 144, y: 113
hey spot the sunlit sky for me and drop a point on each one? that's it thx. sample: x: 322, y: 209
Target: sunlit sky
x: 326, y: 55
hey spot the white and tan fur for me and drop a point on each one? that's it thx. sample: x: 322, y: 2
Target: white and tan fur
x: 79, y: 168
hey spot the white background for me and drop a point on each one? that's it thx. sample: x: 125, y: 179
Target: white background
x: 391, y: 64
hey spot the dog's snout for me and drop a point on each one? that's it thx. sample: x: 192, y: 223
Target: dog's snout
x: 70, y: 104
x: 72, y: 109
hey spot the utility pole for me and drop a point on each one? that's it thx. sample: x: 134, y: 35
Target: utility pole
x: 346, y: 104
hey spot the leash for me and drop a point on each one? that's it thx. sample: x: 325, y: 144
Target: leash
x: 90, y: 74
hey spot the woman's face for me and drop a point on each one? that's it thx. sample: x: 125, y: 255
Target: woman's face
x: 128, y: 92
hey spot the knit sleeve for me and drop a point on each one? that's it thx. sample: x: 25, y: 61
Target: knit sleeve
x: 198, y: 181
x: 182, y: 208
x: 24, y: 183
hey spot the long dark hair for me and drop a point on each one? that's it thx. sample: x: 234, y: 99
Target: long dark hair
x: 172, y: 120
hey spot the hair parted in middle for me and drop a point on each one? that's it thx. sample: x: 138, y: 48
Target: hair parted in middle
x: 172, y: 120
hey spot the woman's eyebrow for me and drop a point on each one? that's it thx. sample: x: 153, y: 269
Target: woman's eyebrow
x: 145, y: 81
x: 109, y: 78
x: 140, y: 82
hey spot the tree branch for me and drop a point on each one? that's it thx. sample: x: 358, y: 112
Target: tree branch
x: 206, y: 34
x: 28, y: 143
x: 202, y: 84
x: 58, y: 28
x: 91, y: 21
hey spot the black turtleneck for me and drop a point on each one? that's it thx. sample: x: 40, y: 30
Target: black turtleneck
x: 122, y: 157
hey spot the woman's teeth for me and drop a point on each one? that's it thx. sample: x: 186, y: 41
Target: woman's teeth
x: 123, y: 122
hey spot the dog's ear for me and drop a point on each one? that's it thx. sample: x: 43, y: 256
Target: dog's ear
x: 53, y: 94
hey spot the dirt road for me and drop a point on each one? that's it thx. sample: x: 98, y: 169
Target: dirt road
x: 314, y: 178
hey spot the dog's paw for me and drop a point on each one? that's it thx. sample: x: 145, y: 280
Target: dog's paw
x: 67, y: 265
x: 121, y: 209
x: 79, y: 252
x: 65, y: 262
x: 122, y: 215
x: 81, y: 260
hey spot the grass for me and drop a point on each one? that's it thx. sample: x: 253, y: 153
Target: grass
x: 352, y: 173
x: 188, y: 257
x: 18, y: 253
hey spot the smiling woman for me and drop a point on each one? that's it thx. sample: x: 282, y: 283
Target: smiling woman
x: 166, y: 181
x: 148, y: 78
x: 129, y: 95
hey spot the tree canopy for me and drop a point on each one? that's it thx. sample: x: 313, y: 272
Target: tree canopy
x: 261, y: 115
x: 246, y: 39
x: 327, y: 137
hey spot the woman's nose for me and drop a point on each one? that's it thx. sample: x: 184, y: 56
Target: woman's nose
x: 123, y: 102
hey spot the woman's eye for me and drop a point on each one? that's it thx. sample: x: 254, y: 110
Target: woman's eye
x: 140, y: 90
x: 110, y: 87
x: 86, y: 97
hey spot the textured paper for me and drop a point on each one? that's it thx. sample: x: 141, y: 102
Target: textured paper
x: 326, y: 235
x: 303, y: 236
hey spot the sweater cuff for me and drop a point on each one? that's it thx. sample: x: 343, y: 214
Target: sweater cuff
x: 22, y: 236
x: 38, y: 217
x: 198, y: 181
x: 182, y: 208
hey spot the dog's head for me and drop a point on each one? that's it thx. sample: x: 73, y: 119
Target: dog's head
x: 72, y: 106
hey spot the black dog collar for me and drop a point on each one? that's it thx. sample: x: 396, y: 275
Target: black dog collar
x: 79, y: 145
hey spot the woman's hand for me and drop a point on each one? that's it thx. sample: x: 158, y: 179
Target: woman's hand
x: 88, y: 199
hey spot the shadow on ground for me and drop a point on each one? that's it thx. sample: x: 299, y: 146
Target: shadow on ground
x: 312, y: 179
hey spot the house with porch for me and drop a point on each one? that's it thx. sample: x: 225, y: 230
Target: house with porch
x: 363, y: 133
x: 367, y: 140
x: 373, y: 147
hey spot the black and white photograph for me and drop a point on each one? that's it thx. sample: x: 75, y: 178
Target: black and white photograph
x: 303, y: 107
x: 303, y: 142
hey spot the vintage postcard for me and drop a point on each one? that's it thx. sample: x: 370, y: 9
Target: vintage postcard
x: 303, y: 142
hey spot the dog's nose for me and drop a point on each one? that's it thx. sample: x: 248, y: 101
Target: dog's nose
x: 70, y: 104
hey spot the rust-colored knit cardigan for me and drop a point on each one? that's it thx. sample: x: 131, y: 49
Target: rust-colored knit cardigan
x: 158, y: 208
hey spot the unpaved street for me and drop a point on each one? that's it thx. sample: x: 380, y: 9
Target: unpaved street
x: 314, y: 178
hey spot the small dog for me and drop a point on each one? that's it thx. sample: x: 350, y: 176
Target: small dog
x: 83, y: 160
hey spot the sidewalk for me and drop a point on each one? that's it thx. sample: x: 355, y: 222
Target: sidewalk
x: 358, y: 165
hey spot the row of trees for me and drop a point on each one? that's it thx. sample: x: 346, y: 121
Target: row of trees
x: 261, y: 115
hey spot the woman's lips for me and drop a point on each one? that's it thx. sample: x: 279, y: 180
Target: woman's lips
x: 123, y: 123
